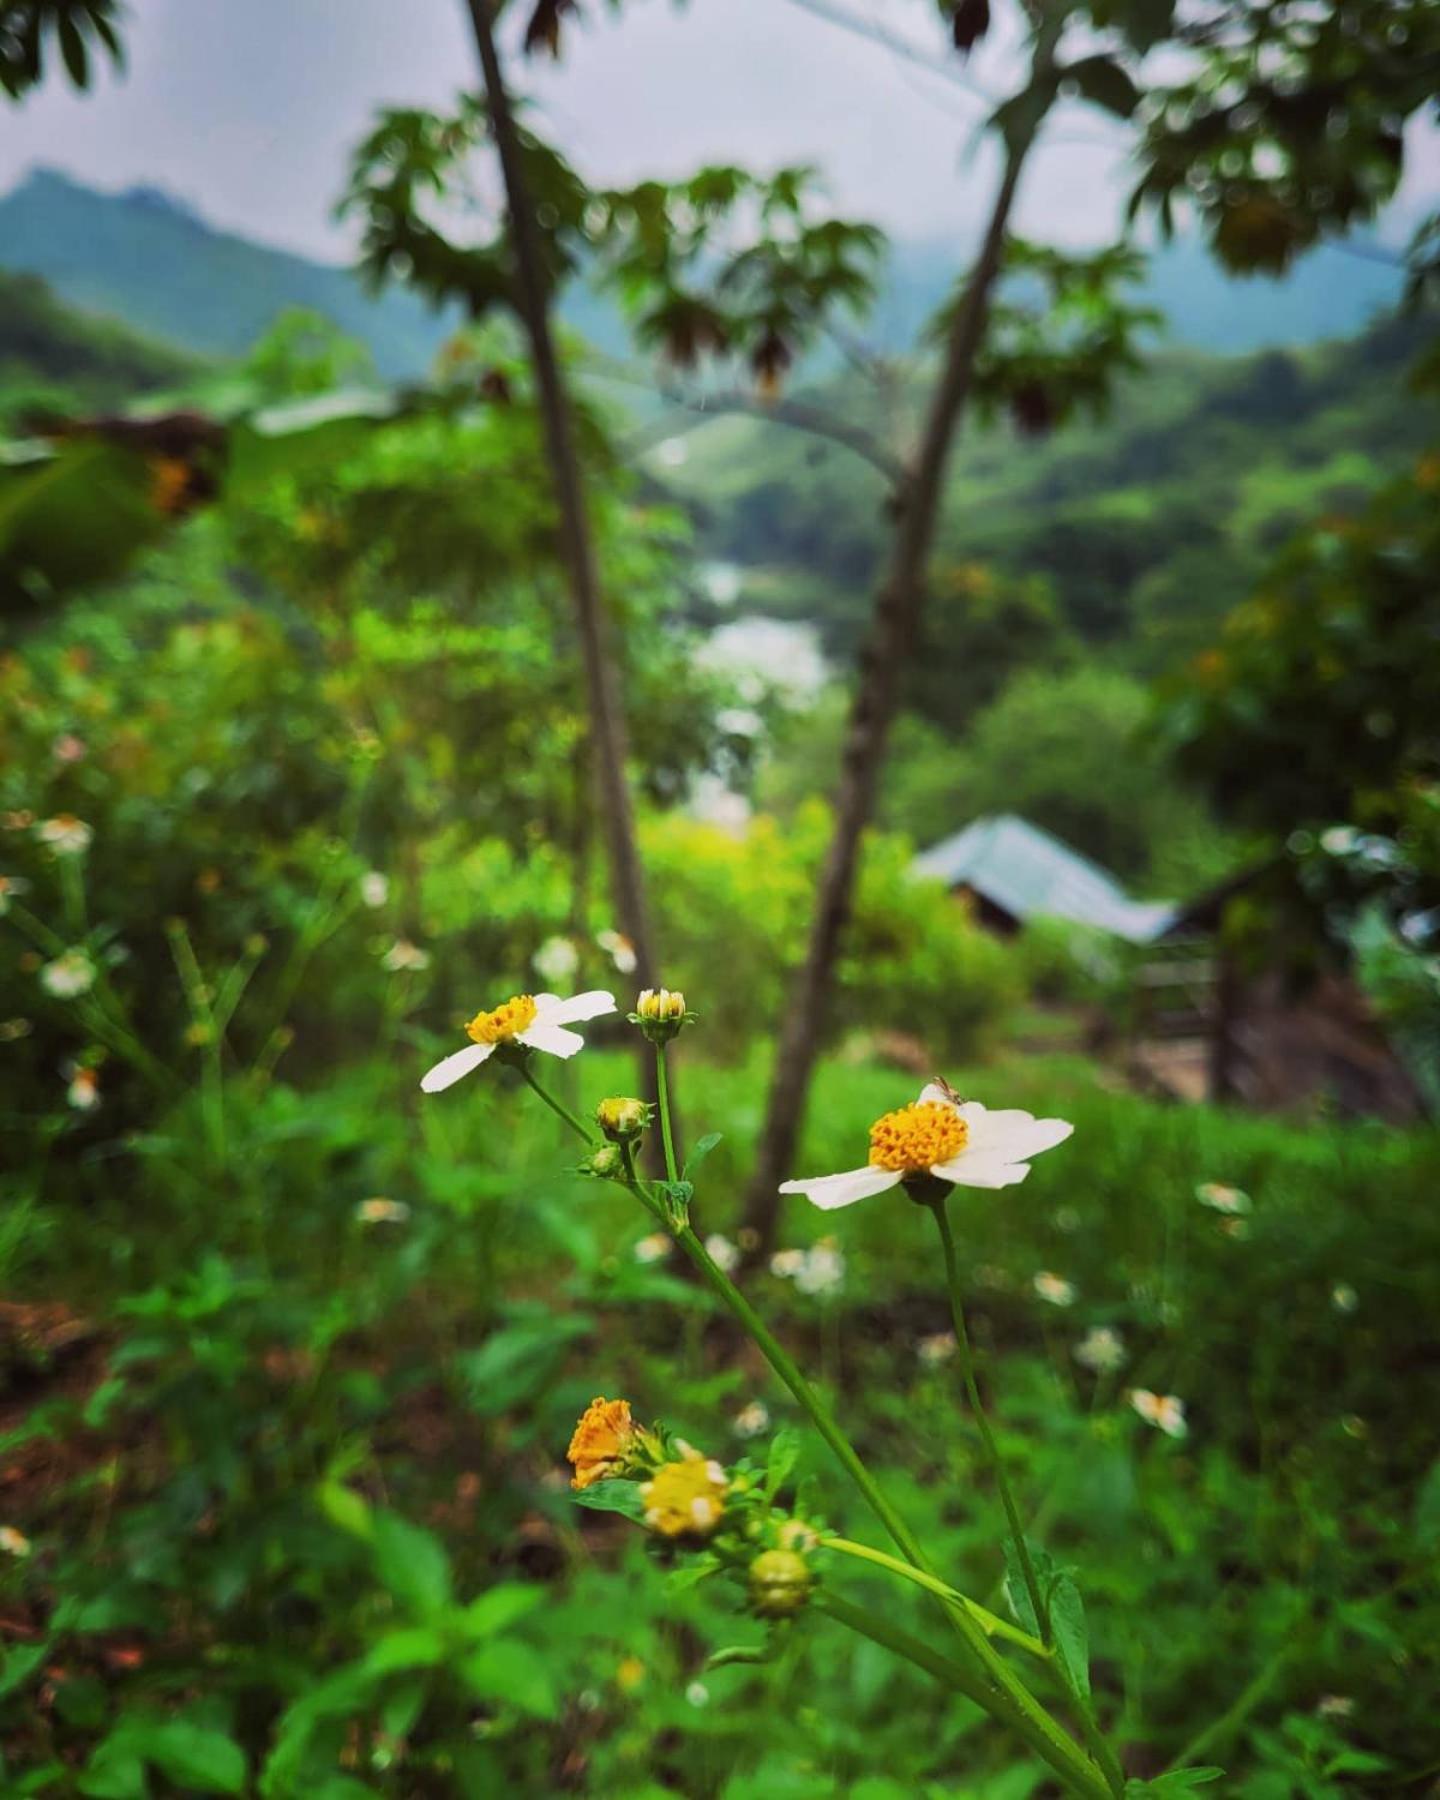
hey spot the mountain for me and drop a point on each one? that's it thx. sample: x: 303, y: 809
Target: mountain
x: 149, y: 260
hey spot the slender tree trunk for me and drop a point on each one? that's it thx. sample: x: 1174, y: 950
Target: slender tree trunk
x: 607, y: 719
x: 894, y: 622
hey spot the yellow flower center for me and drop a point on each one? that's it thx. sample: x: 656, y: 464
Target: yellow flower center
x: 499, y: 1026
x: 685, y: 1499
x: 916, y: 1137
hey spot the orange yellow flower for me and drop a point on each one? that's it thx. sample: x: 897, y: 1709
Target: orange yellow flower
x: 601, y: 1441
x: 686, y: 1498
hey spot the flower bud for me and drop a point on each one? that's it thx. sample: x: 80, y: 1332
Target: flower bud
x: 660, y: 1013
x: 622, y: 1120
x: 607, y: 1162
x: 779, y: 1582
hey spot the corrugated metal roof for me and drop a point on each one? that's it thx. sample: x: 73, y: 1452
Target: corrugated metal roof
x: 1026, y: 872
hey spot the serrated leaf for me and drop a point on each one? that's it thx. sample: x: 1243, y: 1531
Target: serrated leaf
x: 1068, y: 1629
x: 612, y: 1496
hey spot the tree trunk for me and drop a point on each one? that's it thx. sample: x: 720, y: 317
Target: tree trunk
x: 895, y: 620
x: 607, y: 719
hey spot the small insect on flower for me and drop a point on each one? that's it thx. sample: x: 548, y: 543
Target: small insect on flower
x: 1163, y: 1411
x: 961, y: 1142
x: 405, y: 958
x: 534, y: 1021
x: 13, y: 1542
x: 70, y: 975
x: 1054, y: 1288
x: 685, y: 1498
x: 751, y: 1420
x: 65, y: 835
x: 1222, y: 1199
x: 1101, y: 1349
x: 602, y: 1440
x: 378, y: 1210
x: 654, y: 1248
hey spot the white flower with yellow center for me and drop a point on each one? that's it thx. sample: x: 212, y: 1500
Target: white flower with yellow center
x: 64, y: 835
x: 1164, y: 1411
x: 959, y: 1141
x: 537, y: 1021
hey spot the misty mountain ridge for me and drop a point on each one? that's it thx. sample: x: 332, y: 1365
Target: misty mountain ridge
x: 152, y: 260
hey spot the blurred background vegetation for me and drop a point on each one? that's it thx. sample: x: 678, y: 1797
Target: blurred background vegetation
x: 298, y: 769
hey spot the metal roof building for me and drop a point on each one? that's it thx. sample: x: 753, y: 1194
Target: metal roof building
x: 1022, y: 872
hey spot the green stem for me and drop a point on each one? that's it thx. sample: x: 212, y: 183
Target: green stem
x: 995, y: 1686
x: 559, y: 1107
x: 662, y: 1092
x: 988, y: 1622
x: 1068, y: 1763
x: 972, y: 1389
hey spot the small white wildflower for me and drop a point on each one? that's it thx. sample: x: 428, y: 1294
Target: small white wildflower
x: 1067, y: 1219
x: 721, y: 1252
x: 1054, y: 1288
x: 67, y: 748
x: 10, y: 887
x: 65, y: 835
x: 823, y: 1268
x: 556, y: 960
x: 787, y: 1263
x: 1223, y: 1199
x: 533, y: 1021
x: 939, y: 1347
x: 698, y: 1694
x: 405, y: 958
x: 13, y: 1542
x: 379, y: 1210
x: 619, y: 949
x: 69, y: 976
x: 374, y: 888
x: 1335, y: 1706
x: 751, y: 1420
x: 1101, y: 1349
x: 654, y: 1248
x: 83, y: 1093
x: 959, y: 1141
x: 1163, y: 1411
x: 1343, y: 1297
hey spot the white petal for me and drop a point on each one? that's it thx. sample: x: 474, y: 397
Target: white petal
x: 969, y: 1170
x: 829, y: 1192
x: 550, y: 1011
x: 446, y: 1074
x: 552, y: 1038
x: 1013, y: 1134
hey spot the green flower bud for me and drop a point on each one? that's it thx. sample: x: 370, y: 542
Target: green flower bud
x: 608, y: 1162
x: 779, y: 1582
x: 660, y: 1013
x: 622, y: 1120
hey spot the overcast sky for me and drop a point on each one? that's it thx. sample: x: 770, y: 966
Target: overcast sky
x: 248, y: 108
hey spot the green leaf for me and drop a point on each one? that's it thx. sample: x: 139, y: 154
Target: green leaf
x: 513, y: 1674
x: 500, y: 1607
x: 780, y: 1460
x: 701, y: 1151
x: 114, y: 1774
x: 613, y: 1496
x: 417, y: 1647
x: 345, y: 1508
x: 19, y: 1664
x: 690, y: 1574
x: 518, y: 1362
x: 1017, y: 1592
x: 1178, y: 1781
x: 1067, y: 1628
x: 192, y: 1756
x: 411, y: 1563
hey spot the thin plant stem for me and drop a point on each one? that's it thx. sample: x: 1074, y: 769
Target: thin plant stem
x: 662, y: 1091
x: 1079, y: 1774
x: 559, y: 1107
x: 972, y: 1389
x: 996, y: 1685
x: 989, y: 1623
